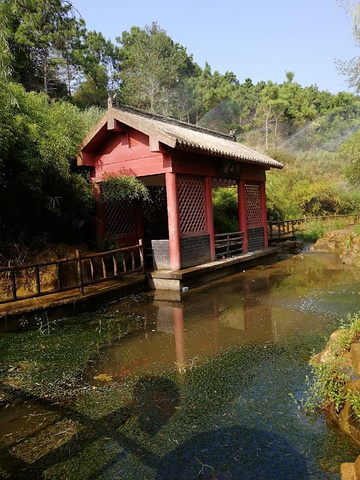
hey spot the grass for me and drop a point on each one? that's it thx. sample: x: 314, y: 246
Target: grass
x: 315, y: 229
x: 312, y: 232
x: 326, y: 391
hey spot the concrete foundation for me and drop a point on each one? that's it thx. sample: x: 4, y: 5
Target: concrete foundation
x: 194, y: 249
x: 189, y: 277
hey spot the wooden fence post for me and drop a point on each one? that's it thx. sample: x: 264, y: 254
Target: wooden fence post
x: 37, y: 277
x: 80, y: 275
x: 13, y: 284
x: 58, y: 276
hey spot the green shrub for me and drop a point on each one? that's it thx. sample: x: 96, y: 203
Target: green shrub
x: 226, y: 210
x: 312, y: 231
x: 115, y: 188
x: 327, y: 387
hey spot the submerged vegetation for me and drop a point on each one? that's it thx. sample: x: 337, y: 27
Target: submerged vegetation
x: 49, y: 360
x: 81, y: 398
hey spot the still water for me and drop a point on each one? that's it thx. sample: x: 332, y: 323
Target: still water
x: 212, y: 379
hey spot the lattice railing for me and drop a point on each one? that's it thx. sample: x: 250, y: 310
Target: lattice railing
x: 120, y: 218
x: 191, y: 192
x: 253, y: 205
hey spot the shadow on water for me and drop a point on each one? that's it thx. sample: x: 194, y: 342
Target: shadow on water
x: 226, y: 453
x: 154, y: 402
x: 234, y: 453
x: 206, y: 387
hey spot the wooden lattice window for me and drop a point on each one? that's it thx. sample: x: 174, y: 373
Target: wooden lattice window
x: 120, y: 218
x: 191, y: 192
x: 253, y: 205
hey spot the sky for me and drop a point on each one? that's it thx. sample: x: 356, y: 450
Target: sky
x: 257, y: 39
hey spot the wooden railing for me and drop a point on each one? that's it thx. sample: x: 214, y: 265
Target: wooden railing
x: 289, y: 228
x: 20, y: 282
x: 228, y: 244
x: 283, y: 229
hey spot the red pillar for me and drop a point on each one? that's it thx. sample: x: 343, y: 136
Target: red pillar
x: 210, y: 216
x: 173, y: 220
x: 242, y: 213
x: 264, y: 213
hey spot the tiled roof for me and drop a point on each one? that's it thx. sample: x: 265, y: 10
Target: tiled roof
x: 181, y: 135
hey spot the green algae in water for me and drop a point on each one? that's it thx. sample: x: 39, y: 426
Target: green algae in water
x: 247, y: 340
x: 52, y: 363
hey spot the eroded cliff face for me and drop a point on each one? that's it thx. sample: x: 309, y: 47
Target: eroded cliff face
x: 344, y: 243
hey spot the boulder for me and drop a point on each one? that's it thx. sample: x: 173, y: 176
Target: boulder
x: 343, y: 243
x: 290, y: 246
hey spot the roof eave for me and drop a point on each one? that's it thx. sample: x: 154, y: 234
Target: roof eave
x: 136, y: 124
x: 231, y: 156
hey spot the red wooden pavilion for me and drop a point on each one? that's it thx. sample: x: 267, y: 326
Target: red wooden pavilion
x: 186, y: 161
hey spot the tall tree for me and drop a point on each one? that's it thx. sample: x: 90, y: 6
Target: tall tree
x: 38, y: 141
x: 351, y: 68
x: 153, y: 69
x: 213, y: 88
x: 5, y: 53
x: 270, y: 109
x: 98, y: 60
x: 39, y: 32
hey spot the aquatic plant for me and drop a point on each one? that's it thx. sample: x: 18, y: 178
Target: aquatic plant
x: 49, y: 361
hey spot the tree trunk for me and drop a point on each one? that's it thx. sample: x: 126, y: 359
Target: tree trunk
x: 68, y: 75
x: 267, y: 128
x: 45, y: 69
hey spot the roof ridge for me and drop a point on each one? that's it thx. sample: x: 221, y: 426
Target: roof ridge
x: 173, y: 121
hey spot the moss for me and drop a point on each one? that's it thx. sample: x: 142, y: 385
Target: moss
x: 49, y: 362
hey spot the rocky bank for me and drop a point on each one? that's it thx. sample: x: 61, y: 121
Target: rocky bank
x: 346, y: 417
x: 343, y: 243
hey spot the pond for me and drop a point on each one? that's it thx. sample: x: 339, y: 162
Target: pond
x: 209, y: 387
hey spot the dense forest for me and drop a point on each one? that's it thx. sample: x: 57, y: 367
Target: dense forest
x: 55, y: 78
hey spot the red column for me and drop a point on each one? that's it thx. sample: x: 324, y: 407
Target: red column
x: 264, y: 213
x: 173, y: 220
x: 210, y: 216
x: 242, y: 213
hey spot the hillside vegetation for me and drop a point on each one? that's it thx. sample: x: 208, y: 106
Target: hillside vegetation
x: 55, y: 77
